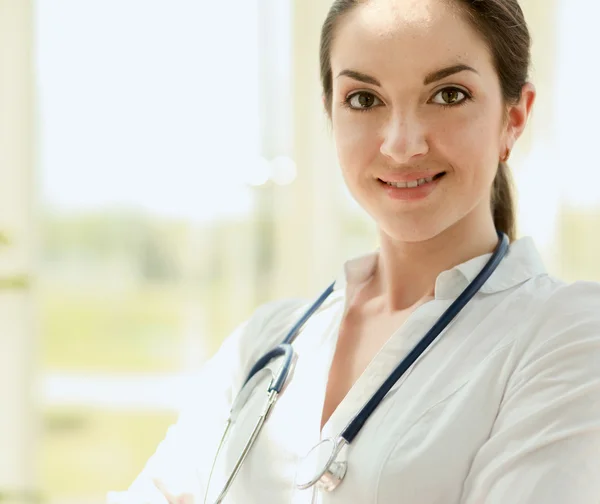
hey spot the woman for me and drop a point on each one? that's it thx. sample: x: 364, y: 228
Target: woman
x: 426, y: 99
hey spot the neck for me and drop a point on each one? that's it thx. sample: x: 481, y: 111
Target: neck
x: 407, y: 271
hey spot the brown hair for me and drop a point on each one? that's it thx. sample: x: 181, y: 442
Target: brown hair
x: 502, y: 25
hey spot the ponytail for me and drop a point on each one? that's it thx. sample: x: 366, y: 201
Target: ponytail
x: 503, y: 202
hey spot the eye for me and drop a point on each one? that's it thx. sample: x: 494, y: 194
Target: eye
x: 362, y: 101
x: 451, y: 96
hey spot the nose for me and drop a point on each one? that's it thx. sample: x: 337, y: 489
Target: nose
x: 404, y: 138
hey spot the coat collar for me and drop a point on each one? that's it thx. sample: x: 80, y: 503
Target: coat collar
x: 521, y: 263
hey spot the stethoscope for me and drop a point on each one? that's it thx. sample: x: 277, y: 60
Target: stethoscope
x: 320, y: 466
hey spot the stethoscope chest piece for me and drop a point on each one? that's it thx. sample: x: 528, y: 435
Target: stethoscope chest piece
x: 320, y: 467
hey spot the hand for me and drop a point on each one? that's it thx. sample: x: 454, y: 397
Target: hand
x: 173, y: 499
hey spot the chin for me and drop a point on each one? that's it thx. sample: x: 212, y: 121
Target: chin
x: 411, y: 232
x: 414, y: 228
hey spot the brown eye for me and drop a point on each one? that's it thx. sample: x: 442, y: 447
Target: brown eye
x: 362, y: 100
x: 450, y: 96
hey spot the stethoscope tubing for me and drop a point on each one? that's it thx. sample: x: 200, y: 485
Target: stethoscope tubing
x: 356, y: 424
x: 285, y: 347
x: 285, y: 350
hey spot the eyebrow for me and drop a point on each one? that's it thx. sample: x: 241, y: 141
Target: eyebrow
x: 429, y: 79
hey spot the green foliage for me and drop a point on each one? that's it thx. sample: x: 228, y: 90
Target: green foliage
x: 4, y: 239
x: 14, y: 282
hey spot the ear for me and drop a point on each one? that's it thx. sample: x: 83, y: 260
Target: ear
x: 518, y: 115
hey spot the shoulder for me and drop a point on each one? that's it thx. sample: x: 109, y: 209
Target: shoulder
x: 272, y: 317
x: 264, y: 329
x: 267, y: 327
x: 567, y: 306
x: 578, y: 297
x: 545, y: 298
x: 562, y: 323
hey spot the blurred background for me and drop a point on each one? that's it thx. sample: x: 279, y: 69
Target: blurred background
x: 166, y: 167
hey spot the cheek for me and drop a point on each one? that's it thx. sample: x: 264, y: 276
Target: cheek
x: 470, y: 144
x: 356, y: 144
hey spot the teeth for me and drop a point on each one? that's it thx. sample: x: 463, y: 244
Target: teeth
x: 412, y: 184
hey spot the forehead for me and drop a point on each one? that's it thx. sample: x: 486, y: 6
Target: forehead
x: 387, y: 34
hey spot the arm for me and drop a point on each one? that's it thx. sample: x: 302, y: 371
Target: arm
x: 544, y: 447
x: 182, y: 459
x: 175, y: 463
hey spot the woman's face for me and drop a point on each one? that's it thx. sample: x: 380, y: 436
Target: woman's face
x: 415, y: 95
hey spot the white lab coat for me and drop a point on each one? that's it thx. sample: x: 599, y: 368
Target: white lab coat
x: 503, y: 408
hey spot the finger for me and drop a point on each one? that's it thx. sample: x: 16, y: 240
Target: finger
x: 169, y: 496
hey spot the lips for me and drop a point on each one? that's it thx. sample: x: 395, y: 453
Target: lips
x: 411, y: 191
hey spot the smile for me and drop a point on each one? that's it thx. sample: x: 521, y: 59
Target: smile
x: 414, y: 183
x: 413, y: 190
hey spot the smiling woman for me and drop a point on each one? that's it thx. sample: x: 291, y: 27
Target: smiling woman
x: 446, y: 366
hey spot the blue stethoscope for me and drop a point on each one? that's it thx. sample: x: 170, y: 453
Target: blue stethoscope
x: 320, y: 467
